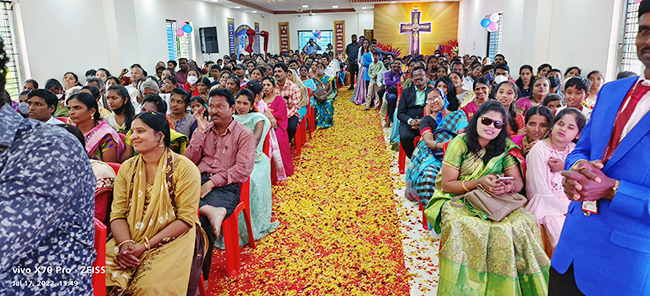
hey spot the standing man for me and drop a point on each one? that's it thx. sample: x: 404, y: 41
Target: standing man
x: 411, y: 109
x: 291, y: 94
x: 352, y: 51
x: 604, y: 248
x: 367, y: 60
x: 391, y: 79
x: 181, y: 75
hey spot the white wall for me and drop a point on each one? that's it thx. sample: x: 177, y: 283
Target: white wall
x: 355, y: 23
x: 77, y: 35
x: 559, y: 32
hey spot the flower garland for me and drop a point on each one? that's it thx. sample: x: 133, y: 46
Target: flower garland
x: 339, y: 232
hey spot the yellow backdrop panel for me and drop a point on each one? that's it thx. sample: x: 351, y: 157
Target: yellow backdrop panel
x: 442, y: 15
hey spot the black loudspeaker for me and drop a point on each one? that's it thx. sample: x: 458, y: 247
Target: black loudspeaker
x: 209, y: 43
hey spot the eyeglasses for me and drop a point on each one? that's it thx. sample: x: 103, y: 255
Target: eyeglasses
x: 488, y: 121
x: 432, y: 100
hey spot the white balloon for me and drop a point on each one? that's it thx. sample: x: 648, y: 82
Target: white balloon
x: 494, y: 17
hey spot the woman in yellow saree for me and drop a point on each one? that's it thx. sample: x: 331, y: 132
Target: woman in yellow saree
x: 158, y: 245
x: 479, y: 256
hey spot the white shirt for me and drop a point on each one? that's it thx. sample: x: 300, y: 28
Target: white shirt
x: 642, y: 107
x: 381, y: 77
x: 585, y: 111
x: 54, y: 121
x: 133, y: 93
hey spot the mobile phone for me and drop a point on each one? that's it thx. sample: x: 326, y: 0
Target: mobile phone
x: 505, y: 178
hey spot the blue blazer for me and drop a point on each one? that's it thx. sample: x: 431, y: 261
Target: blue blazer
x: 610, y: 251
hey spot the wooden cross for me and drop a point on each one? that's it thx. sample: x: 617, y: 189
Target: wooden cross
x: 414, y: 28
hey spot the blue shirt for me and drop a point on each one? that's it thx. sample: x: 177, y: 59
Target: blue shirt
x: 309, y: 49
x: 47, y: 209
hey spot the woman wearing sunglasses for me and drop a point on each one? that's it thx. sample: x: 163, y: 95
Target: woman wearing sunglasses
x: 478, y: 254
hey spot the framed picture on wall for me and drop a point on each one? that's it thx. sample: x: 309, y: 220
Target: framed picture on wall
x: 321, y: 37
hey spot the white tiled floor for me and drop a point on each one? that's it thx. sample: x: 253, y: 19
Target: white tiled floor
x: 420, y: 245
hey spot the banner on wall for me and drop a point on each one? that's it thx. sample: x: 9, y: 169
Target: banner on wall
x: 283, y: 29
x: 231, y: 36
x: 339, y: 36
x: 436, y: 23
x: 241, y: 40
x: 257, y: 38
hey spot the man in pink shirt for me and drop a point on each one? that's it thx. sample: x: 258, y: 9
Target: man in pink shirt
x: 224, y: 151
x: 291, y: 94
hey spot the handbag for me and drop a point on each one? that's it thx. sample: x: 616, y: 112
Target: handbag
x: 496, y: 207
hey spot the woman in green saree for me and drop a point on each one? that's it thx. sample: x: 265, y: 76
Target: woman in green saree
x: 260, y: 195
x: 479, y: 256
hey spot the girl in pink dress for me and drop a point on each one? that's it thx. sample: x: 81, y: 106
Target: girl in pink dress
x: 545, y: 161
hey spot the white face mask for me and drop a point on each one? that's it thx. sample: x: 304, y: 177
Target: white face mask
x: 24, y: 108
x: 192, y: 79
x: 500, y: 78
x: 320, y: 72
x: 59, y: 96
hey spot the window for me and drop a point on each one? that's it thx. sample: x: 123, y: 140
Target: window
x: 494, y: 39
x: 628, y: 59
x: 325, y: 39
x: 8, y: 34
x: 179, y: 47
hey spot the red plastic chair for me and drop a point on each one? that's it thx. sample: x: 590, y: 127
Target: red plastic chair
x: 311, y: 111
x: 266, y: 146
x: 64, y: 119
x: 99, y: 267
x: 230, y: 228
x: 401, y: 159
x: 115, y: 166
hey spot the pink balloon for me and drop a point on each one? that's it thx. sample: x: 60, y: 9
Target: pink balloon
x: 493, y: 27
x: 638, y: 1
x: 180, y: 32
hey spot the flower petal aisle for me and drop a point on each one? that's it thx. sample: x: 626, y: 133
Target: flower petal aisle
x: 339, y: 233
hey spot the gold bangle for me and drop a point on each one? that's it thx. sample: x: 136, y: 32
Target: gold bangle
x: 124, y: 242
x: 146, y: 244
x: 464, y: 187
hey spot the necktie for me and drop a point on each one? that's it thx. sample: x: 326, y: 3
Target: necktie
x: 622, y: 118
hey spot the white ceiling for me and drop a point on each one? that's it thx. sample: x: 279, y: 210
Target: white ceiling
x: 294, y: 4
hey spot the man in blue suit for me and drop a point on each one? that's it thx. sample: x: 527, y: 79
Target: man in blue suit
x: 607, y: 252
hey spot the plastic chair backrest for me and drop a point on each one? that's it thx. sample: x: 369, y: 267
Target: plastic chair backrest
x: 99, y: 267
x: 245, y: 193
x: 265, y: 146
x: 122, y: 136
x: 115, y: 166
x: 64, y: 119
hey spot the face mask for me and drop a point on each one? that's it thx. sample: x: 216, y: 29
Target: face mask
x: 500, y: 78
x: 192, y: 79
x: 59, y: 96
x: 320, y: 72
x: 554, y: 81
x: 489, y: 76
x: 23, y: 107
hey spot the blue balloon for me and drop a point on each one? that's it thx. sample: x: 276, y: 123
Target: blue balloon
x: 484, y: 22
x: 187, y: 28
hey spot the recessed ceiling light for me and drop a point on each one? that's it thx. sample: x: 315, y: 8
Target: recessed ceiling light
x: 364, y: 7
x: 254, y: 11
x: 335, y: 6
x: 305, y: 6
x: 215, y: 0
x: 237, y: 7
x: 393, y: 2
x: 365, y: 11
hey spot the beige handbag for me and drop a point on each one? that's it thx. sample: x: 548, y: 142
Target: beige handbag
x: 496, y: 207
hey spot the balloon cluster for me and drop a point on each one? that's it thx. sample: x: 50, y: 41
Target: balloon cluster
x: 183, y: 28
x: 491, y: 23
x: 316, y: 33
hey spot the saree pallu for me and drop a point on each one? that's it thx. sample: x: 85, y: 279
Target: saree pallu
x: 421, y: 173
x: 260, y: 194
x: 169, y: 267
x: 101, y: 138
x: 274, y: 148
x: 360, y: 92
x: 479, y: 256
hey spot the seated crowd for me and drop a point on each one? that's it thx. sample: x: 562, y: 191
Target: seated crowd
x: 184, y: 140
x: 187, y: 138
x: 467, y: 125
